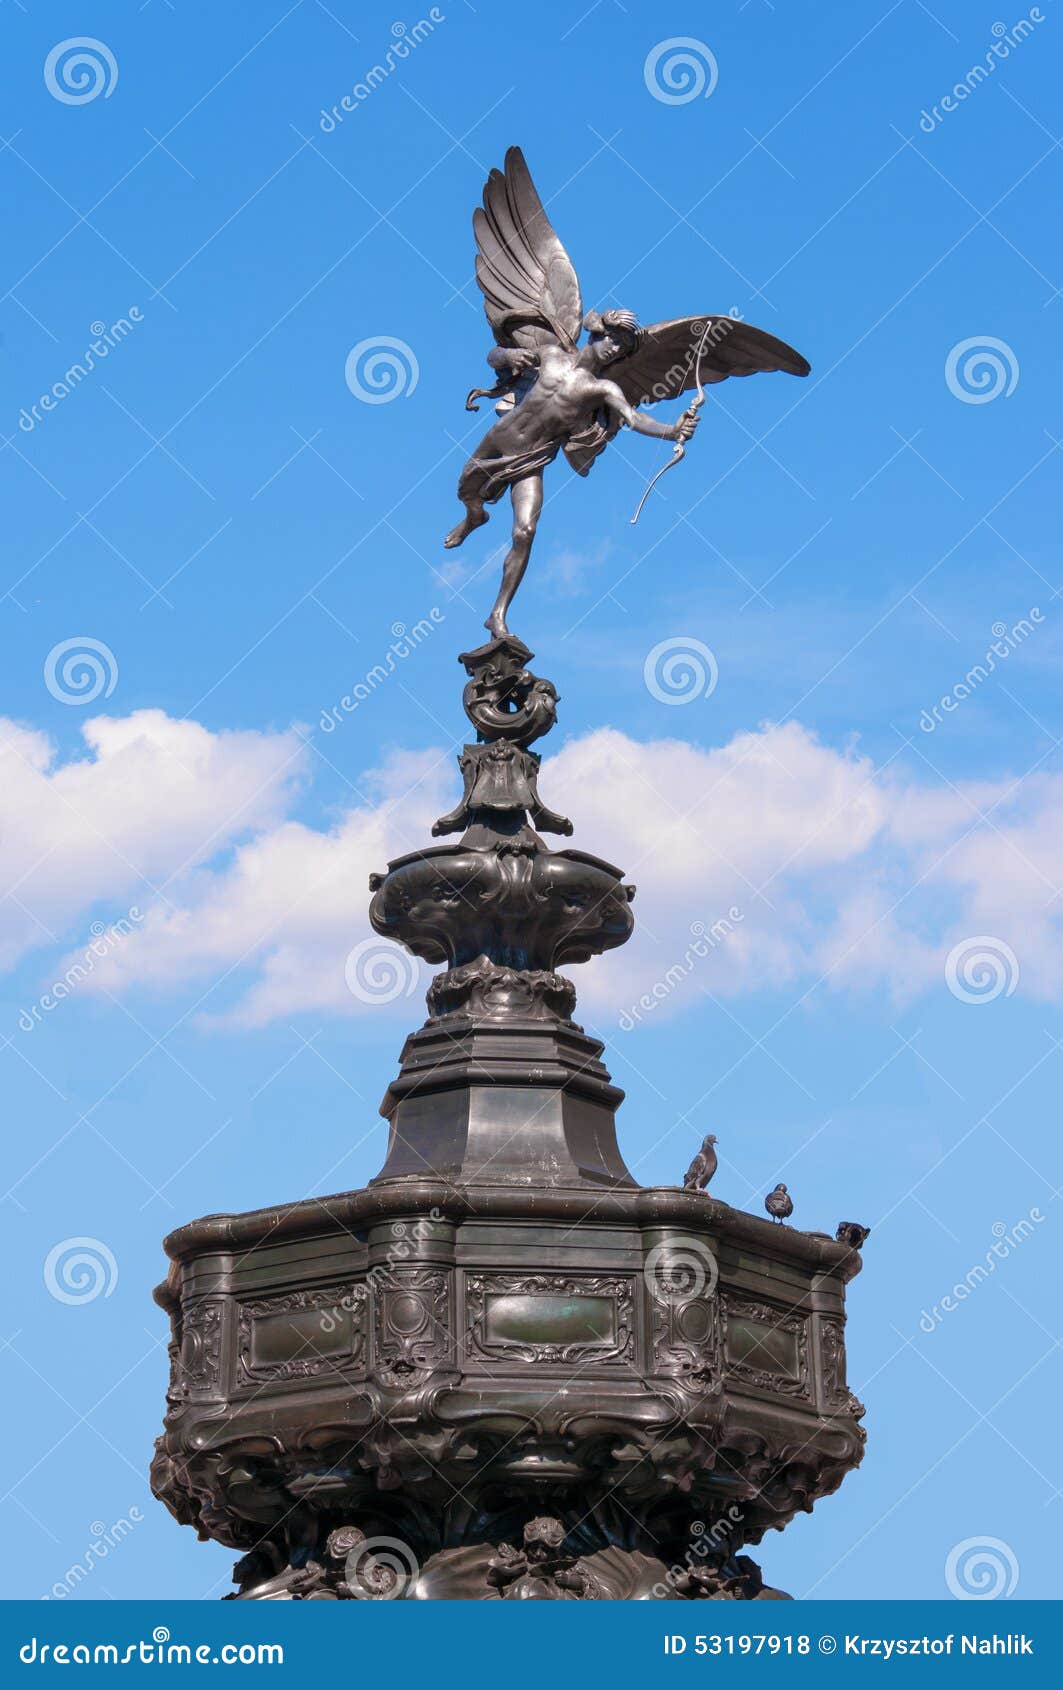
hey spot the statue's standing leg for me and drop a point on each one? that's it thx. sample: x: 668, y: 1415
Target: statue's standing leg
x: 527, y: 498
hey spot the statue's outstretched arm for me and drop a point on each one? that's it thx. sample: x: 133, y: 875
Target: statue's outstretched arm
x: 639, y: 422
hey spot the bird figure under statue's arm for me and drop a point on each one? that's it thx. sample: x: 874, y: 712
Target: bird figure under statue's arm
x: 558, y: 395
x: 512, y: 365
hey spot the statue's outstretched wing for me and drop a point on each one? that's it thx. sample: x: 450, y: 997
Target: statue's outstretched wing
x: 665, y: 362
x: 665, y: 365
x: 531, y: 291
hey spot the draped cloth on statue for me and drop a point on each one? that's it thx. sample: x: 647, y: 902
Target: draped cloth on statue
x: 486, y: 479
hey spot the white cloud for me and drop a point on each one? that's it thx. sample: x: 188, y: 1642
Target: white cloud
x: 289, y: 906
x: 817, y: 865
x: 126, y: 823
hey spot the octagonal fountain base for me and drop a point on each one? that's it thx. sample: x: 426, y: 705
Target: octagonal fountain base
x: 427, y: 1391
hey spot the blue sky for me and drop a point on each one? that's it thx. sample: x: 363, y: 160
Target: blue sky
x: 216, y: 508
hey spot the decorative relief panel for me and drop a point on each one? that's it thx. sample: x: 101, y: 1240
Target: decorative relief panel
x: 686, y: 1335
x: 412, y: 1323
x: 837, y: 1397
x: 766, y: 1346
x: 199, y: 1361
x: 549, y: 1317
x: 174, y: 1391
x: 302, y: 1335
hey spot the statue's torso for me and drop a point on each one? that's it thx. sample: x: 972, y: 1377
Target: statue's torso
x: 561, y: 401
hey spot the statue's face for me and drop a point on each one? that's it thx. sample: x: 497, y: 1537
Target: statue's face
x: 606, y: 350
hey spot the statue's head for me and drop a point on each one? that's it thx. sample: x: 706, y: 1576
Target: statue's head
x: 543, y: 1538
x: 343, y: 1541
x: 614, y: 334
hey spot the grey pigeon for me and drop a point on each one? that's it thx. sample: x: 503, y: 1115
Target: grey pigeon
x: 779, y: 1203
x: 702, y: 1167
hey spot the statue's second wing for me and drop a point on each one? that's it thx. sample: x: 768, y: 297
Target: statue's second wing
x: 665, y: 364
x: 531, y: 292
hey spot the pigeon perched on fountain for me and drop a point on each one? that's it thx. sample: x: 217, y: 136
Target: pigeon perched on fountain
x: 852, y: 1233
x: 702, y: 1167
x: 779, y: 1203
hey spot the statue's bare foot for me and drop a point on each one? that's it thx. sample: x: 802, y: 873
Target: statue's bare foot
x: 496, y: 625
x: 462, y: 530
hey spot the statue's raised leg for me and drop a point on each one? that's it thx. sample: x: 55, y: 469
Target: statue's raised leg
x: 475, y: 517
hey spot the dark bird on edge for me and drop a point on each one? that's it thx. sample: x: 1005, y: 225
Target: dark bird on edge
x: 779, y: 1203
x: 852, y: 1233
x: 702, y: 1167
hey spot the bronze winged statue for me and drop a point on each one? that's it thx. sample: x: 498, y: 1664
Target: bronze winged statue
x: 553, y: 394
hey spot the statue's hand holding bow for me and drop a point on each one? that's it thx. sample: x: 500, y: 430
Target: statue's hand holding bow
x: 683, y: 428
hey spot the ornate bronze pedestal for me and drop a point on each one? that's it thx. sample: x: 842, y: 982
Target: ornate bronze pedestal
x: 504, y: 1369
